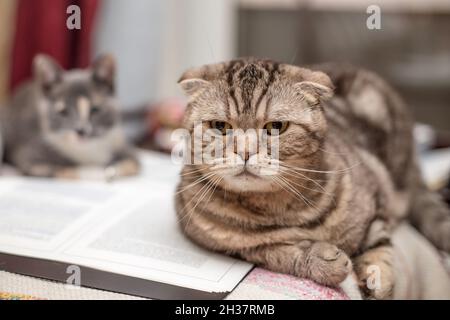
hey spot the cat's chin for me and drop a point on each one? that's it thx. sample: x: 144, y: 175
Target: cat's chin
x: 247, y: 182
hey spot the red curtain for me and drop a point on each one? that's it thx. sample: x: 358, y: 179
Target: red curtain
x: 41, y: 28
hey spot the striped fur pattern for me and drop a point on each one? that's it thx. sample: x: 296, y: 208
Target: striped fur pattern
x: 347, y: 172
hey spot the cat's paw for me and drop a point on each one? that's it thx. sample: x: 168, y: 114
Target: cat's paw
x: 327, y: 264
x: 380, y: 288
x: 126, y: 168
x: 375, y: 272
x: 81, y: 173
x: 66, y: 174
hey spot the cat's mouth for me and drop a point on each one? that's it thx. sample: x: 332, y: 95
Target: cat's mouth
x: 245, y: 173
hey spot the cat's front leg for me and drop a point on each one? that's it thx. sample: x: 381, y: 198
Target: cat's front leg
x: 125, y: 164
x: 375, y: 271
x: 319, y: 261
x: 122, y: 168
x: 374, y: 267
x: 93, y: 173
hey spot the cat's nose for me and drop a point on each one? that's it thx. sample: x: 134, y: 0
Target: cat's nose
x: 246, y: 146
x: 82, y: 132
x: 246, y: 155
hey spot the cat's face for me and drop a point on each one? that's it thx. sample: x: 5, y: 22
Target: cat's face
x: 76, y: 105
x: 267, y: 117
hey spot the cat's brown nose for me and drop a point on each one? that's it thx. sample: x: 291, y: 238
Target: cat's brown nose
x: 81, y: 132
x: 247, y: 154
x: 246, y: 146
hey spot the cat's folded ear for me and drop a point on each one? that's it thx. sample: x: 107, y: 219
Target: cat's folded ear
x: 314, y: 86
x: 47, y: 72
x: 193, y: 81
x: 104, y: 71
x: 313, y: 92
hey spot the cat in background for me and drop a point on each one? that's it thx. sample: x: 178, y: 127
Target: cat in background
x: 66, y: 124
x: 347, y: 171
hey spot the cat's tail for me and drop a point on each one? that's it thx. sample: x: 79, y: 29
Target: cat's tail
x: 431, y: 216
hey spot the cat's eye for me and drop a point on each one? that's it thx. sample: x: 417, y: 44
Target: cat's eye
x: 95, y: 110
x: 281, y: 126
x: 222, y: 126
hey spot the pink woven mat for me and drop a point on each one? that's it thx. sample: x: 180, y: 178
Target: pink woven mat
x: 288, y: 286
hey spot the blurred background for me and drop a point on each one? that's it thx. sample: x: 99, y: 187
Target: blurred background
x: 154, y: 41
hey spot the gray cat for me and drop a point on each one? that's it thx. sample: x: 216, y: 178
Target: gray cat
x: 66, y: 124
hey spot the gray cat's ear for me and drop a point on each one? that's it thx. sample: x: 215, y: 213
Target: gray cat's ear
x: 104, y: 71
x: 46, y: 71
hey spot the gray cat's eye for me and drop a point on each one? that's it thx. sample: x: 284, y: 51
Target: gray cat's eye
x: 95, y: 110
x: 281, y: 126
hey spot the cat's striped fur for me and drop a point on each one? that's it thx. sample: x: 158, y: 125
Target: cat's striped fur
x: 347, y: 172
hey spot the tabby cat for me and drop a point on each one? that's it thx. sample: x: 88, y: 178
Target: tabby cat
x: 346, y: 174
x: 66, y: 124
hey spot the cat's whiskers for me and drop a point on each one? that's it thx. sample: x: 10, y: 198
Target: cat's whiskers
x: 191, y: 172
x: 302, y: 176
x: 335, y: 153
x: 286, y: 188
x: 215, y: 184
x: 295, y: 191
x: 197, y: 181
x: 193, y: 198
x: 299, y: 175
x: 319, y: 171
x: 211, y: 184
x: 298, y: 195
x: 323, y: 191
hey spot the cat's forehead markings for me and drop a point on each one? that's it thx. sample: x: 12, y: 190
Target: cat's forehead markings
x: 76, y: 76
x: 249, y: 83
x: 261, y: 110
x: 83, y: 107
x: 60, y: 105
x: 232, y: 109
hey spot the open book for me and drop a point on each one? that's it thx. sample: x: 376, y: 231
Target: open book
x: 121, y: 236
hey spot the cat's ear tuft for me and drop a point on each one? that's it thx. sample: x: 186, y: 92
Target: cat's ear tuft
x: 46, y: 71
x: 314, y: 86
x: 104, y: 71
x: 194, y: 80
x: 192, y: 86
x: 313, y: 92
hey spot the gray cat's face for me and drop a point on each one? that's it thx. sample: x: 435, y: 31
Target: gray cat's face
x: 248, y: 96
x: 77, y: 105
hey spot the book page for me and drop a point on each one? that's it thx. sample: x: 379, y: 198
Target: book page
x: 129, y: 227
x: 145, y: 241
x: 41, y: 214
